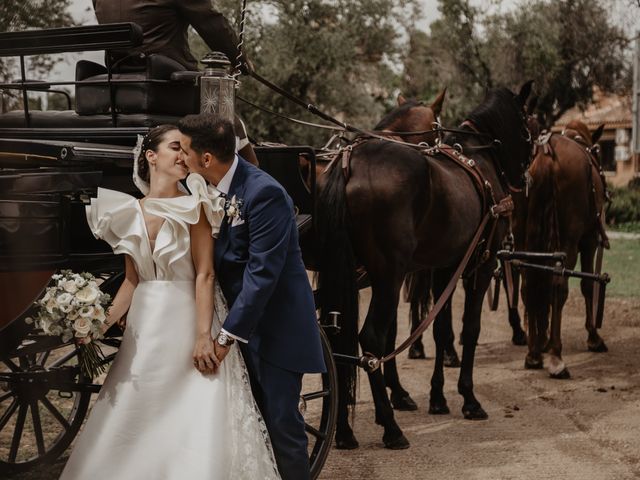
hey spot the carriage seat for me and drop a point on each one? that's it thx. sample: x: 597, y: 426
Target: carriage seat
x: 70, y: 119
x: 178, y: 97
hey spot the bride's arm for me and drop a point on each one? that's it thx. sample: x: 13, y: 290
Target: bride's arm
x: 202, y: 254
x: 122, y: 300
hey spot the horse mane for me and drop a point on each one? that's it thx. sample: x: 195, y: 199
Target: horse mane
x: 499, y: 117
x: 395, y: 114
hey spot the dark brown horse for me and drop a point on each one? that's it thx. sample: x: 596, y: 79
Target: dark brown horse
x: 395, y: 210
x: 564, y: 212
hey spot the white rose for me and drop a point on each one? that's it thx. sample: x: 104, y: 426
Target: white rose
x: 87, y: 311
x: 99, y: 313
x: 50, y: 305
x: 88, y: 294
x: 82, y: 327
x: 70, y: 286
x: 79, y: 281
x: 64, y: 299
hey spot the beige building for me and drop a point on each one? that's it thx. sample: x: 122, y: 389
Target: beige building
x: 619, y: 162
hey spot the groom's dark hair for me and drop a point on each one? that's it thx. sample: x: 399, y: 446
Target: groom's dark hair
x: 210, y: 133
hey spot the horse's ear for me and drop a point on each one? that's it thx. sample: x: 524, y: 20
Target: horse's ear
x: 525, y: 91
x: 595, y: 136
x: 532, y: 104
x: 436, y: 106
x: 401, y: 100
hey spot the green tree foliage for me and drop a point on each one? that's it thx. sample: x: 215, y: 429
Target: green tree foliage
x: 337, y: 54
x: 17, y: 15
x: 567, y: 46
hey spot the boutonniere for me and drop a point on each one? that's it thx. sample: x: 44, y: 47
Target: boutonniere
x: 233, y: 207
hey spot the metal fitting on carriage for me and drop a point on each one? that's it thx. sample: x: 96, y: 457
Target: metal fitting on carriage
x: 331, y: 326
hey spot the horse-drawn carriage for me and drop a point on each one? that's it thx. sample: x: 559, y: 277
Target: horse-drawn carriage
x: 51, y: 163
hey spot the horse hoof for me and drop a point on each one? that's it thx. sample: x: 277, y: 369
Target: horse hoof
x: 439, y: 408
x: 398, y: 443
x: 347, y: 442
x: 599, y: 347
x: 562, y: 375
x: 403, y: 403
x: 451, y: 359
x: 531, y: 364
x: 474, y: 412
x: 519, y: 338
x: 416, y: 352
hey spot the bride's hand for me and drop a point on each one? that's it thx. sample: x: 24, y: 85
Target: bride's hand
x: 204, y: 357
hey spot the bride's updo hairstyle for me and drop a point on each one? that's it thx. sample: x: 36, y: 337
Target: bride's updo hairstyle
x: 151, y: 141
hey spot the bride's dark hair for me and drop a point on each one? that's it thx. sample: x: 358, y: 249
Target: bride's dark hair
x: 151, y: 141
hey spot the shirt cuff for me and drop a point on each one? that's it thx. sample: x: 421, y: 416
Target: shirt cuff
x: 234, y: 336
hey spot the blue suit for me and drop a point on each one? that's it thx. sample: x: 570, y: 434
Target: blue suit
x: 259, y: 265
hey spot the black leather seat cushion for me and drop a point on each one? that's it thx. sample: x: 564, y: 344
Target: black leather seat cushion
x: 174, y: 98
x: 70, y: 119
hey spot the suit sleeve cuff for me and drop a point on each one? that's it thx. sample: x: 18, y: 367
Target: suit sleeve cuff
x: 240, y: 339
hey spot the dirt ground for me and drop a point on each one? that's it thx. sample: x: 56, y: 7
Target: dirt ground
x: 582, y: 428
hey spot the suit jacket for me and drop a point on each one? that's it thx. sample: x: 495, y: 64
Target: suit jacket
x: 259, y: 265
x: 165, y: 23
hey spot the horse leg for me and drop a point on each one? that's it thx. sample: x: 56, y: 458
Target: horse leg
x: 475, y: 290
x: 536, y: 295
x: 416, y: 350
x: 560, y: 292
x: 373, y: 339
x: 595, y: 343
x: 345, y: 439
x: 400, y: 398
x: 519, y: 337
x: 451, y: 359
x: 442, y: 337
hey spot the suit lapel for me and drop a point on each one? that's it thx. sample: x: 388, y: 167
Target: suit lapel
x: 237, y: 188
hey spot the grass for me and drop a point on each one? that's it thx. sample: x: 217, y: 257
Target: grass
x: 622, y: 263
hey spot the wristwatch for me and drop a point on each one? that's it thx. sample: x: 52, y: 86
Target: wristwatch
x: 225, y: 340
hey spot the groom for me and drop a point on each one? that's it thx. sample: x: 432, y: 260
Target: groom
x: 259, y: 266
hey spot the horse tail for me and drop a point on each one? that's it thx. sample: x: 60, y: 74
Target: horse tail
x: 336, y: 277
x: 418, y: 294
x: 542, y: 234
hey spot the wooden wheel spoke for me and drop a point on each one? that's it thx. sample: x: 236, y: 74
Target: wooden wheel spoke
x: 8, y: 412
x: 12, y: 366
x: 62, y: 360
x: 6, y: 396
x: 54, y: 411
x: 37, y: 427
x: 315, y: 432
x: 315, y: 395
x: 44, y: 356
x: 17, y: 432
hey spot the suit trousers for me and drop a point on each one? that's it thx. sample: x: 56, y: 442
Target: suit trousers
x: 277, y: 393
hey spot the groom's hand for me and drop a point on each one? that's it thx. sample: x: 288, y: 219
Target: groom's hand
x: 204, y: 354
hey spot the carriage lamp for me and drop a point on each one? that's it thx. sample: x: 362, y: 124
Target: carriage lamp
x: 217, y: 87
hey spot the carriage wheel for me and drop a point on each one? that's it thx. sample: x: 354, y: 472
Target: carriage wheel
x: 37, y: 423
x: 319, y: 406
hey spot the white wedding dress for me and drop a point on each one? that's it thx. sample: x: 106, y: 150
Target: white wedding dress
x: 157, y: 417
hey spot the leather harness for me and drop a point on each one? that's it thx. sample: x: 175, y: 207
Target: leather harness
x: 492, y: 211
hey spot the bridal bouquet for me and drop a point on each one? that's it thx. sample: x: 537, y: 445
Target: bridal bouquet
x: 73, y: 307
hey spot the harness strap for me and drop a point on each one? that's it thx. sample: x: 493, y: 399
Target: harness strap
x: 445, y: 294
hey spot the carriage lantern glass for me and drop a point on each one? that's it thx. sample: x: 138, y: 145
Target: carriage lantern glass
x: 217, y: 87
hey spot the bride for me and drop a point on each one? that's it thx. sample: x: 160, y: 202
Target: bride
x: 162, y: 413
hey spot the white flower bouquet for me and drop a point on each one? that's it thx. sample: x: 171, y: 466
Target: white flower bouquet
x: 73, y: 307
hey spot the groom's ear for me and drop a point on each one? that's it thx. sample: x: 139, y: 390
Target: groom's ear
x: 207, y: 159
